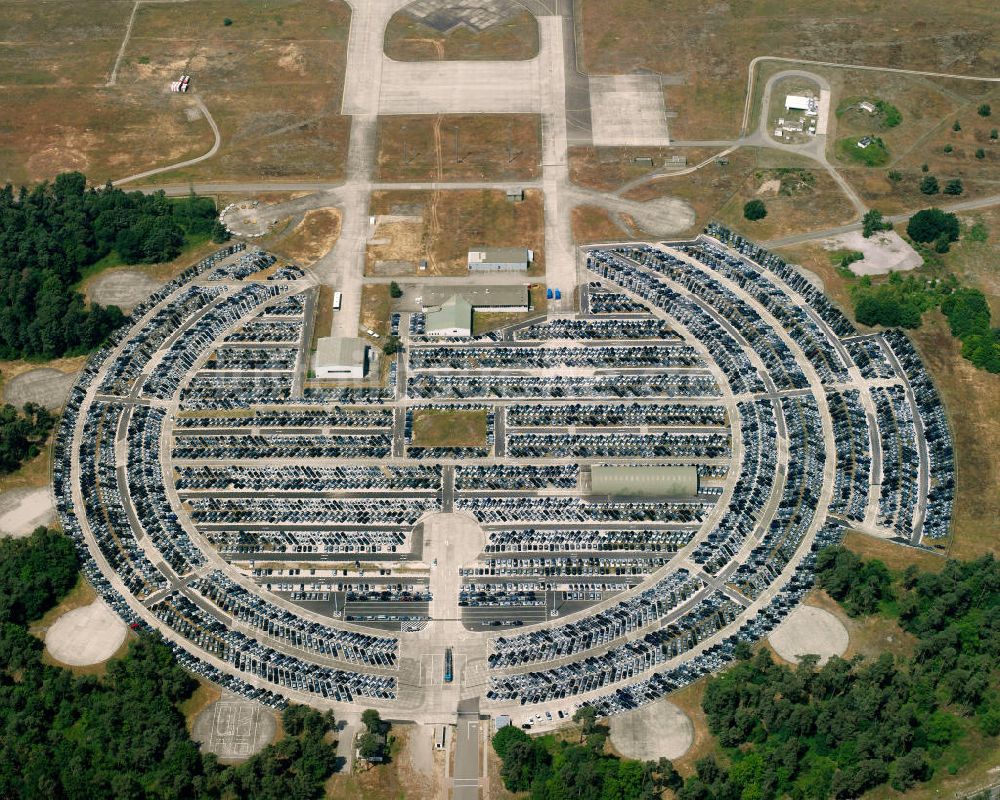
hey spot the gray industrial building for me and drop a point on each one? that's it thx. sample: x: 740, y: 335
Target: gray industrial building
x: 624, y: 481
x: 500, y: 259
x: 341, y: 357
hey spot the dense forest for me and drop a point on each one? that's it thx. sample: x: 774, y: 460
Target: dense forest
x: 831, y: 732
x: 22, y: 434
x: 122, y: 735
x: 50, y: 233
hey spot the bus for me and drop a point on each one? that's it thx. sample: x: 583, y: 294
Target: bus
x: 447, y: 666
x: 336, y: 301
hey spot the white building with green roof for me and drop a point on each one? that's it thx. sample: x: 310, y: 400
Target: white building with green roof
x: 452, y: 318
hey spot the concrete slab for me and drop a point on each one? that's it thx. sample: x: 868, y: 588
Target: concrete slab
x: 884, y: 252
x: 23, y: 510
x: 86, y: 636
x: 809, y: 630
x: 656, y: 730
x: 234, y: 728
x: 47, y: 387
x: 453, y: 87
x: 628, y: 110
x: 125, y: 288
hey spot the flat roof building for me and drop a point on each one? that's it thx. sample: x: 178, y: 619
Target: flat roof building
x: 798, y: 102
x: 499, y: 259
x: 452, y: 318
x: 625, y: 481
x: 341, y: 357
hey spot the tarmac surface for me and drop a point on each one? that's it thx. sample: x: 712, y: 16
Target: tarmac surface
x: 46, y: 387
x: 234, y: 728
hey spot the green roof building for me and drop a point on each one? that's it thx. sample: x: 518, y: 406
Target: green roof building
x: 453, y: 318
x: 624, y: 481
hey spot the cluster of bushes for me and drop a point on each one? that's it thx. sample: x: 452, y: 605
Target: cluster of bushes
x: 898, y: 301
x: 22, y: 434
x: 968, y: 315
x: 123, y: 735
x: 51, y: 233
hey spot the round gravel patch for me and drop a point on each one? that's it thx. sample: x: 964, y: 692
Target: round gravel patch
x: 85, y: 636
x: 809, y: 631
x: 656, y: 730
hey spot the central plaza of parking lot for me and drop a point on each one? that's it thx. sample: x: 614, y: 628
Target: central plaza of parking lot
x: 648, y: 479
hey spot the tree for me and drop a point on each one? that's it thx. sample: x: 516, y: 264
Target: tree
x: 394, y: 290
x: 392, y: 346
x: 754, y: 210
x: 894, y: 175
x: 369, y: 745
x: 220, y: 233
x: 586, y: 718
x: 227, y: 21
x: 372, y: 720
x: 980, y: 153
x: 957, y: 126
x: 994, y: 133
x: 929, y: 185
x: 954, y: 187
x: 873, y: 222
x: 505, y: 737
x: 984, y: 110
x: 525, y: 763
x: 948, y: 148
x: 927, y: 225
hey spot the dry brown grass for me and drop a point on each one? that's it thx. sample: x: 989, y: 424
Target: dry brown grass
x: 408, y: 39
x: 593, y: 224
x: 808, y: 200
x: 202, y: 697
x: 375, y: 307
x: 607, y: 168
x: 689, y: 701
x: 104, y: 132
x: 272, y: 80
x: 323, y: 316
x: 493, y: 147
x: 435, y: 427
x: 972, y: 401
x: 392, y: 781
x: 60, y: 43
x: 894, y: 556
x: 710, y: 47
x: 867, y: 636
x: 453, y: 221
x: 312, y: 238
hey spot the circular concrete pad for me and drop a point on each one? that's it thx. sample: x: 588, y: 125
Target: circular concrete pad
x: 234, y: 728
x: 125, y: 288
x: 46, y: 387
x: 85, y: 636
x: 656, y: 730
x: 809, y: 630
